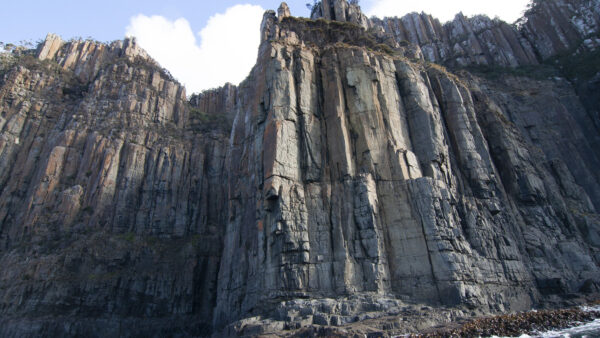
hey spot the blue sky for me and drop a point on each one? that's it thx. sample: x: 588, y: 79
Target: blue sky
x: 204, y: 44
x: 106, y: 20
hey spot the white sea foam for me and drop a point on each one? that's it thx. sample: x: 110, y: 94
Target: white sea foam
x: 588, y: 330
x: 591, y: 329
x: 590, y: 308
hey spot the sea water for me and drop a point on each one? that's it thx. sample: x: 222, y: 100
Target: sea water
x: 591, y: 329
x: 587, y: 330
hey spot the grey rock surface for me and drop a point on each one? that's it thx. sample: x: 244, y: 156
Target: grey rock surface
x: 342, y: 181
x: 340, y: 10
x: 111, y: 203
x: 395, y: 177
x: 547, y: 29
x: 555, y: 27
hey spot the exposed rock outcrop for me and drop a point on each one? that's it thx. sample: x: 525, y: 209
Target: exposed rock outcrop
x: 340, y: 10
x: 464, y: 41
x: 380, y: 175
x: 555, y: 27
x: 345, y: 179
x: 546, y: 29
x: 110, y: 202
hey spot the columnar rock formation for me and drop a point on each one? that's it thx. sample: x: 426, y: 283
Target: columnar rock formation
x: 378, y: 174
x: 547, y: 29
x: 463, y: 41
x: 340, y: 10
x: 346, y: 175
x: 555, y: 27
x: 110, y: 202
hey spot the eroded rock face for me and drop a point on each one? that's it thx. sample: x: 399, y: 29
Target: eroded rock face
x: 340, y: 181
x: 463, y: 41
x: 340, y: 10
x: 380, y: 175
x: 110, y: 201
x: 547, y: 29
x: 555, y: 27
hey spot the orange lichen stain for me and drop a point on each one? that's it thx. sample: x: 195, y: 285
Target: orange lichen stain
x: 260, y: 225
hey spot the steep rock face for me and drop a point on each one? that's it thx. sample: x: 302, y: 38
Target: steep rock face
x: 217, y: 101
x: 547, y: 29
x: 353, y: 172
x: 108, y: 191
x: 464, y: 41
x: 340, y: 10
x: 342, y: 180
x: 560, y: 26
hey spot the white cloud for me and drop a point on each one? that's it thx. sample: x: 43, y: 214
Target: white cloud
x: 226, y: 51
x: 508, y: 10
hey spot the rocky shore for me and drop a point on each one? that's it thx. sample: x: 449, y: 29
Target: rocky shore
x: 437, y: 323
x: 515, y: 325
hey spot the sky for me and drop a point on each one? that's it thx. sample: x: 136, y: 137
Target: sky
x: 204, y: 44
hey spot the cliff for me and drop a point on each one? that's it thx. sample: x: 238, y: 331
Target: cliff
x: 351, y: 176
x: 110, y: 201
x: 547, y: 29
